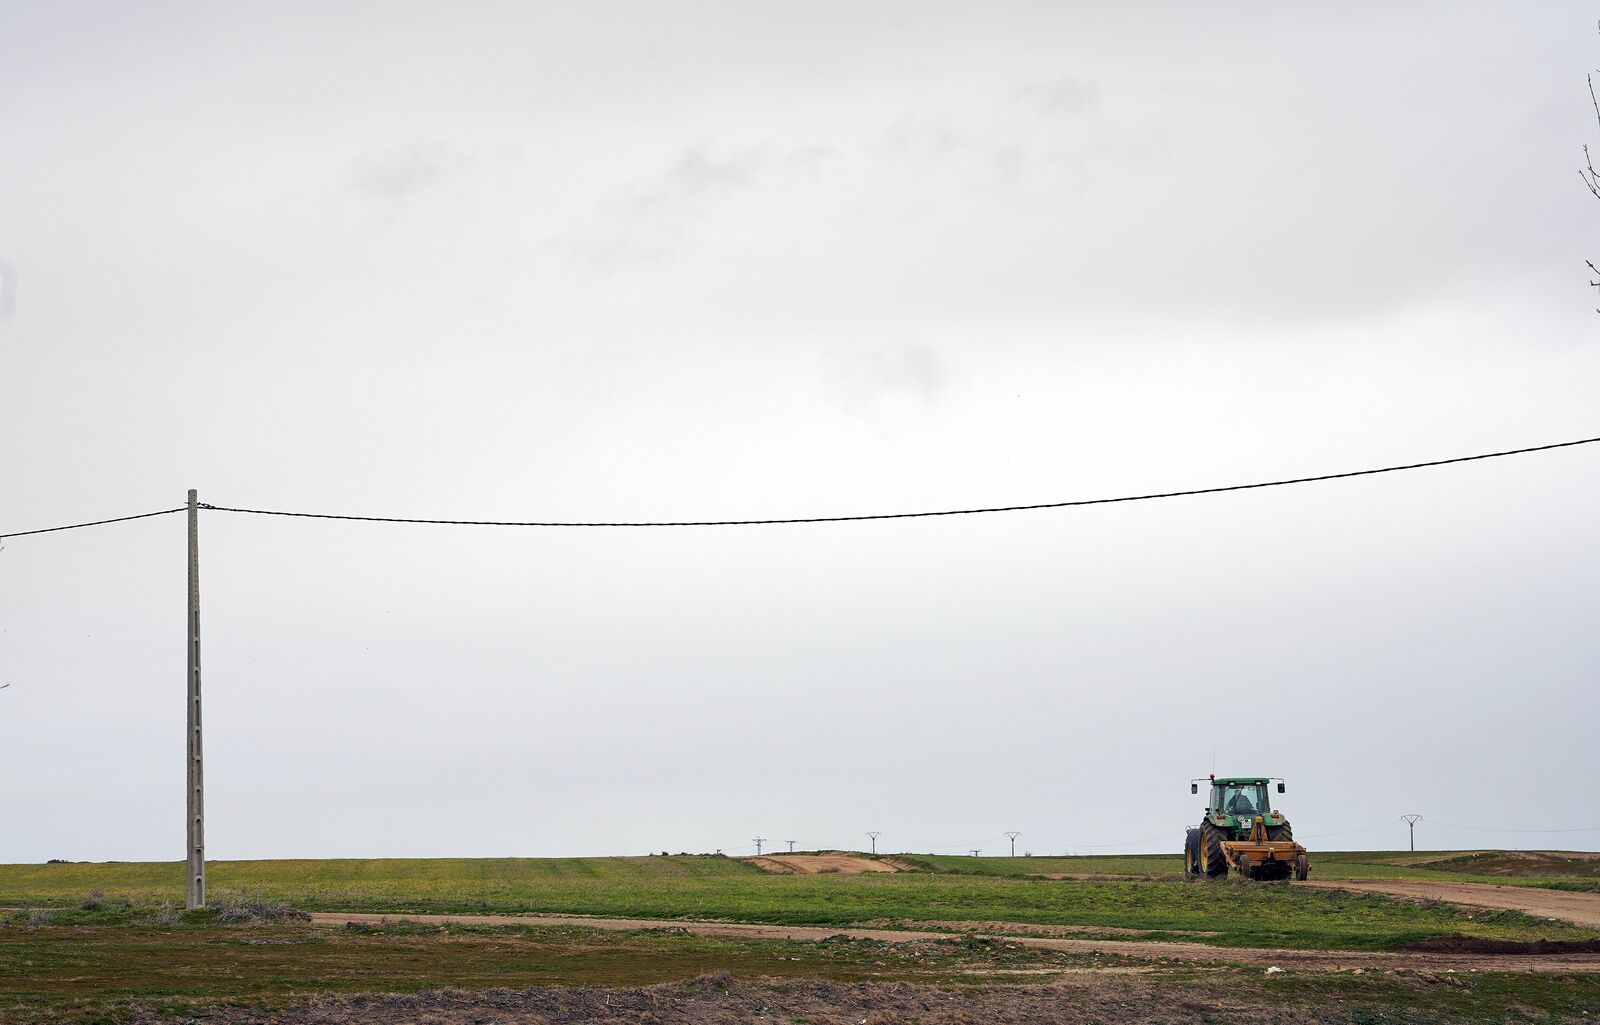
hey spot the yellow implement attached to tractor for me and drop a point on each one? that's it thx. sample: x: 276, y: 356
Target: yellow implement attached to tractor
x: 1241, y: 832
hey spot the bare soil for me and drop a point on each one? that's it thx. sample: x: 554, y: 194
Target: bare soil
x: 1323, y: 960
x: 720, y: 1000
x: 1029, y: 929
x: 1580, y: 908
x: 816, y: 864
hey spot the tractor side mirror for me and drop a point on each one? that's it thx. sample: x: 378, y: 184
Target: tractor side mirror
x: 1194, y: 788
x: 1280, y: 788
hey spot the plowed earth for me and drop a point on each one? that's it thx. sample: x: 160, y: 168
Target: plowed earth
x: 720, y: 1000
x: 1327, y: 960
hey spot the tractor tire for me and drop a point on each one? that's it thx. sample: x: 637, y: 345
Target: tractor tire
x: 1212, y: 863
x: 1191, y: 854
x: 1302, y: 868
x: 1283, y: 832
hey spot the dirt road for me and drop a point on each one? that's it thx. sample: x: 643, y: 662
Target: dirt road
x: 1580, y: 908
x: 1318, y: 960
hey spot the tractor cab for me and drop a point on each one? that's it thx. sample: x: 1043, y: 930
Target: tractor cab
x: 1236, y: 802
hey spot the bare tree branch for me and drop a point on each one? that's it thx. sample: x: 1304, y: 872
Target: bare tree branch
x: 1590, y: 177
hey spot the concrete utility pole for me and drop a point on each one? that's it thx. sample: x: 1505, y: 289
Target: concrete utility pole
x: 1411, y: 823
x: 975, y: 851
x: 759, y: 841
x: 874, y: 838
x: 1012, y: 834
x: 196, y: 897
x: 791, y: 845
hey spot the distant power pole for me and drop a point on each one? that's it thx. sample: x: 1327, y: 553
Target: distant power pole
x: 759, y: 841
x: 1411, y: 823
x: 975, y: 852
x: 1012, y: 834
x: 791, y: 845
x: 196, y: 894
x: 874, y: 838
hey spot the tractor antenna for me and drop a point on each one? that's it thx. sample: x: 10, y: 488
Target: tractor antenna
x: 1411, y: 823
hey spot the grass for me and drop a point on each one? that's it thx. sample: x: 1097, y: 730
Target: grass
x: 101, y: 940
x: 85, y: 972
x: 391, y: 879
x: 688, y: 887
x: 99, y: 966
x: 1553, y: 870
x: 43, y: 969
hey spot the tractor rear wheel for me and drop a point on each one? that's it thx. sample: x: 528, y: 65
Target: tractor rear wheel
x: 1212, y: 862
x: 1283, y: 832
x: 1191, y: 854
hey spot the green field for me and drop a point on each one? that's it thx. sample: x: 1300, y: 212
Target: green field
x: 130, y: 951
x: 690, y: 887
x: 1521, y: 868
x: 96, y: 968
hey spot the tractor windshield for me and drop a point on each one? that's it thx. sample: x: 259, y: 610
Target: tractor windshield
x: 1242, y: 799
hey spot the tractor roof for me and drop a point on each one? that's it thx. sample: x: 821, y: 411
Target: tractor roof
x: 1225, y: 780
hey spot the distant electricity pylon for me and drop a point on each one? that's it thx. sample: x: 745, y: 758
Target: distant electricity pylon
x: 1012, y: 834
x: 874, y: 838
x: 791, y: 845
x: 759, y: 841
x: 1411, y: 823
x: 975, y: 851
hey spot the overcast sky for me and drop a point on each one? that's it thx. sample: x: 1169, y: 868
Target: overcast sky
x: 605, y: 261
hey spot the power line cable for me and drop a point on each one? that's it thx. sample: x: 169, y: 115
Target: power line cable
x: 1074, y: 503
x: 93, y: 523
x: 907, y: 515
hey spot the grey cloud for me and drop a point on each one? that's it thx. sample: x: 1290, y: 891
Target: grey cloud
x: 904, y: 369
x: 400, y: 172
x: 656, y: 220
x: 1060, y: 97
x: 1003, y: 132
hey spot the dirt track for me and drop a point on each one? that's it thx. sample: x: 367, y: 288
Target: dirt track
x: 1580, y: 908
x: 1319, y: 960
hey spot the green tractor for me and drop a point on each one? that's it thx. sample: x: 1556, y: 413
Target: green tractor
x: 1241, y: 832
